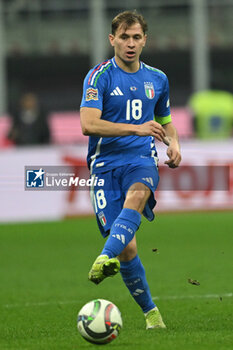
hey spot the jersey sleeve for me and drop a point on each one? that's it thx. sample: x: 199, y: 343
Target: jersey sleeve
x: 93, y: 92
x: 162, y: 110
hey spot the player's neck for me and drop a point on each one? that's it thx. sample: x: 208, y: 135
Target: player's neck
x: 129, y: 67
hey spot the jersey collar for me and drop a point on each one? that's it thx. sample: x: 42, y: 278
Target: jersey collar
x: 116, y: 66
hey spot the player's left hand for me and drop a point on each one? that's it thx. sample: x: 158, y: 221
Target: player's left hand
x: 174, y: 155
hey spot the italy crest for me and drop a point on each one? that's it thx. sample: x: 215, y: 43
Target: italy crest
x: 102, y: 218
x: 149, y: 90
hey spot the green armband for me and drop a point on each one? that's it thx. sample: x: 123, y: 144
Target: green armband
x: 163, y: 120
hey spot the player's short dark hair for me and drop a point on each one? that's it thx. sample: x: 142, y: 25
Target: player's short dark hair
x: 128, y: 18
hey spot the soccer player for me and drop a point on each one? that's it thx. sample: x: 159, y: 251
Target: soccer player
x: 125, y: 107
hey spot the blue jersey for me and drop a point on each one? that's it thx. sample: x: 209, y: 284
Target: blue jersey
x: 133, y: 98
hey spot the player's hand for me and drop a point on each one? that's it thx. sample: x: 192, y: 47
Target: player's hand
x: 152, y: 128
x: 173, y: 153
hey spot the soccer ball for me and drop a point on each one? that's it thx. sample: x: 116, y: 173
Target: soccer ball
x: 99, y: 321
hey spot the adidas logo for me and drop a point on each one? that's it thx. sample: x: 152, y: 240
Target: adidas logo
x: 138, y: 292
x: 120, y: 237
x: 117, y: 92
x: 148, y: 179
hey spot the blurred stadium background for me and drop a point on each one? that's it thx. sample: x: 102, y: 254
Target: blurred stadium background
x: 47, y: 47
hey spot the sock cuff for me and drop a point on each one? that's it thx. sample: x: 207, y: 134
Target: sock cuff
x: 131, y: 263
x: 131, y: 215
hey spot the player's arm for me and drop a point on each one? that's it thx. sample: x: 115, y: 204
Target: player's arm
x: 93, y: 125
x: 173, y: 150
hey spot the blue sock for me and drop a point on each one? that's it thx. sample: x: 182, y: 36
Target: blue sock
x: 122, y: 232
x: 133, y: 274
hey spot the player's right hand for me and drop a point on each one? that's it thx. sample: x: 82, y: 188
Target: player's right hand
x: 152, y: 128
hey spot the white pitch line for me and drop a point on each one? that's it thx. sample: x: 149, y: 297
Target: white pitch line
x: 41, y: 303
x: 168, y: 297
x: 201, y: 296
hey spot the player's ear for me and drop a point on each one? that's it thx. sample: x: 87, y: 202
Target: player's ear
x: 111, y: 39
x: 145, y: 39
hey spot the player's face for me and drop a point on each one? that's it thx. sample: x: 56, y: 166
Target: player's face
x: 128, y: 44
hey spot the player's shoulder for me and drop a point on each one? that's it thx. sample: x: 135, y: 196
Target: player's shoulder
x: 99, y: 72
x: 157, y: 73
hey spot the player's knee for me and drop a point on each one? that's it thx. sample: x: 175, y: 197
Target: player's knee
x: 137, y: 199
x: 140, y: 195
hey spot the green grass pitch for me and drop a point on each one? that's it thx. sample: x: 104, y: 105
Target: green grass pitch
x: 43, y: 283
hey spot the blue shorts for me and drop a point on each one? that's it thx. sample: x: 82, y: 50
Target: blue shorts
x: 108, y: 200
